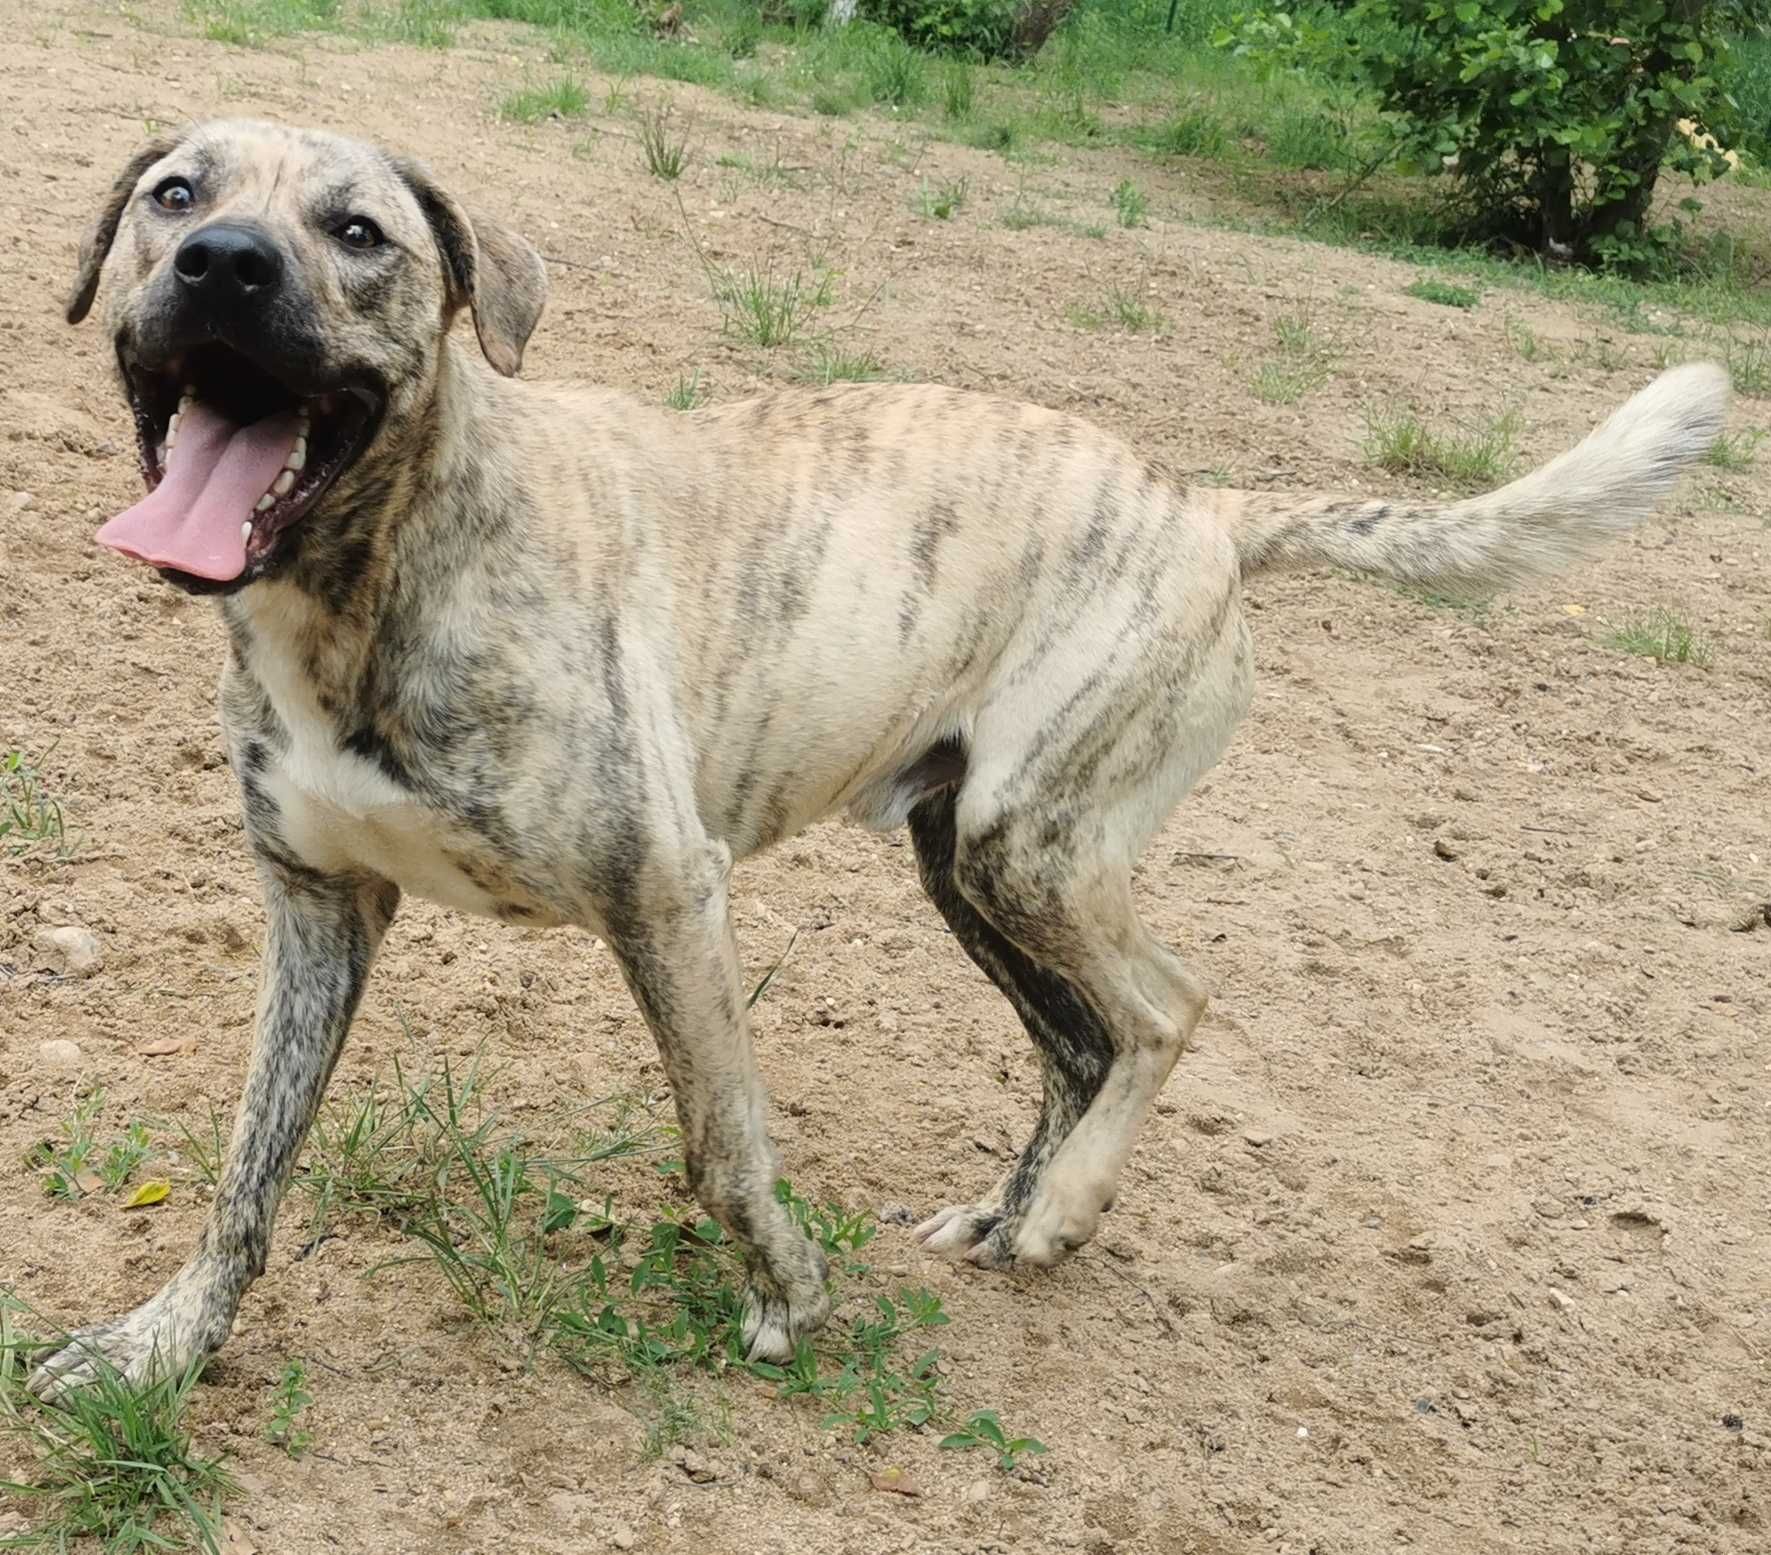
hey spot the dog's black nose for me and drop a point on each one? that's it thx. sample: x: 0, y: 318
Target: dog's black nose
x: 230, y: 263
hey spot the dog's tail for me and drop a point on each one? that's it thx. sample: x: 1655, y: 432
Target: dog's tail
x: 1568, y: 509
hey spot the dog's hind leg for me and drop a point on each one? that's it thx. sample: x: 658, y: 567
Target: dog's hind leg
x: 1075, y: 1049
x: 674, y: 941
x: 322, y: 933
x: 1071, y: 770
x: 1148, y: 1007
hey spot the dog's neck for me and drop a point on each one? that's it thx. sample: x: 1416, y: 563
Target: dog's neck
x: 426, y: 502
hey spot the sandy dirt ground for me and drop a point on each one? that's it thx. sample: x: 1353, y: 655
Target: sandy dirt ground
x: 1451, y: 1236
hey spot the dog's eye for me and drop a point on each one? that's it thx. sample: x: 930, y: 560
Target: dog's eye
x: 359, y: 232
x: 174, y: 194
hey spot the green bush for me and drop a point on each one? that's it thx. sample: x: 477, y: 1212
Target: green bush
x: 1749, y: 83
x: 977, y: 27
x: 1554, y: 117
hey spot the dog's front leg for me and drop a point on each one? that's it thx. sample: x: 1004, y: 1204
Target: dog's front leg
x: 322, y: 935
x: 675, y: 943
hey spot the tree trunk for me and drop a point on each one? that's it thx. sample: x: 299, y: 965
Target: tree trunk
x: 1555, y: 200
x: 1035, y: 21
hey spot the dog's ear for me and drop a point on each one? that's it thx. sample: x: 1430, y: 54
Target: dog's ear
x: 97, y: 242
x: 494, y: 272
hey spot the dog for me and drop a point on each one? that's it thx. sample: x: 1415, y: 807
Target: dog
x: 548, y: 654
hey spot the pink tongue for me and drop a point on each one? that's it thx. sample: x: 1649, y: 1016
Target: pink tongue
x: 215, y: 475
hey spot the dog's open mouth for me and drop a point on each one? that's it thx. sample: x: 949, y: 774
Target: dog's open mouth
x: 232, y: 458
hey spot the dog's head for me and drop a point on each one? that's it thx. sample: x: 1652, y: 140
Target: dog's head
x: 279, y: 302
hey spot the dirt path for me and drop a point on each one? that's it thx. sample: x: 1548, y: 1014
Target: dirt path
x: 1450, y: 1237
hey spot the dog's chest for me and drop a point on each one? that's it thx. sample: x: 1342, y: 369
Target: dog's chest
x: 338, y: 811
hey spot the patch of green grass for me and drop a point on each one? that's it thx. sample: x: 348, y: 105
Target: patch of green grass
x: 774, y: 173
x: 251, y: 23
x: 1445, y: 293
x: 29, y: 817
x: 1021, y: 217
x: 1304, y: 361
x: 991, y: 135
x: 1527, y: 345
x: 743, y: 33
x: 1483, y: 455
x: 985, y: 1430
x: 1122, y: 308
x: 758, y: 88
x: 893, y: 73
x: 76, y: 1164
x: 425, y: 24
x: 1130, y: 204
x: 287, y: 1405
x: 112, y: 1462
x: 666, y: 153
x: 491, y: 1243
x: 827, y: 364
x: 872, y: 1392
x: 1303, y: 136
x: 1660, y: 634
x: 681, y: 1416
x: 835, y: 99
x: 958, y: 90
x: 1193, y: 131
x: 942, y: 201
x: 841, y: 1233
x: 561, y: 99
x: 761, y: 307
x: 1720, y: 286
x: 204, y: 1152
x: 1749, y: 365
x: 1735, y: 451
x: 378, y: 1152
x: 539, y: 1258
x: 687, y: 392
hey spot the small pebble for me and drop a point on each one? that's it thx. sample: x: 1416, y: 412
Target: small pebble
x: 622, y: 1538
x: 978, y: 1490
x: 59, y: 1053
x: 69, y: 951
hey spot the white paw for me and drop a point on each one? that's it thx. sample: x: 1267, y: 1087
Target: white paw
x: 186, y: 1322
x: 774, y: 1325
x: 1054, y: 1225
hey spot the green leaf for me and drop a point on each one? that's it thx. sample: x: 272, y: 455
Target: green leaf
x: 958, y: 1439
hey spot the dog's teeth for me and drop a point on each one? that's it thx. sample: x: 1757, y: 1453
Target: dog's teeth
x: 297, y: 459
x: 172, y: 423
x: 284, y: 483
x: 263, y: 502
x: 246, y: 532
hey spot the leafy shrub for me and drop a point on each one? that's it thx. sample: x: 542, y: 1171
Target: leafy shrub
x: 1555, y: 117
x: 980, y: 27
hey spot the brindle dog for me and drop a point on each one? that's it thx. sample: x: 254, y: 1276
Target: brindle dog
x: 548, y: 654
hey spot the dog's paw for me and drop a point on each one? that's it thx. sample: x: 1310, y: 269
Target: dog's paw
x: 176, y: 1329
x: 1046, y: 1232
x: 957, y: 1230
x: 774, y: 1324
